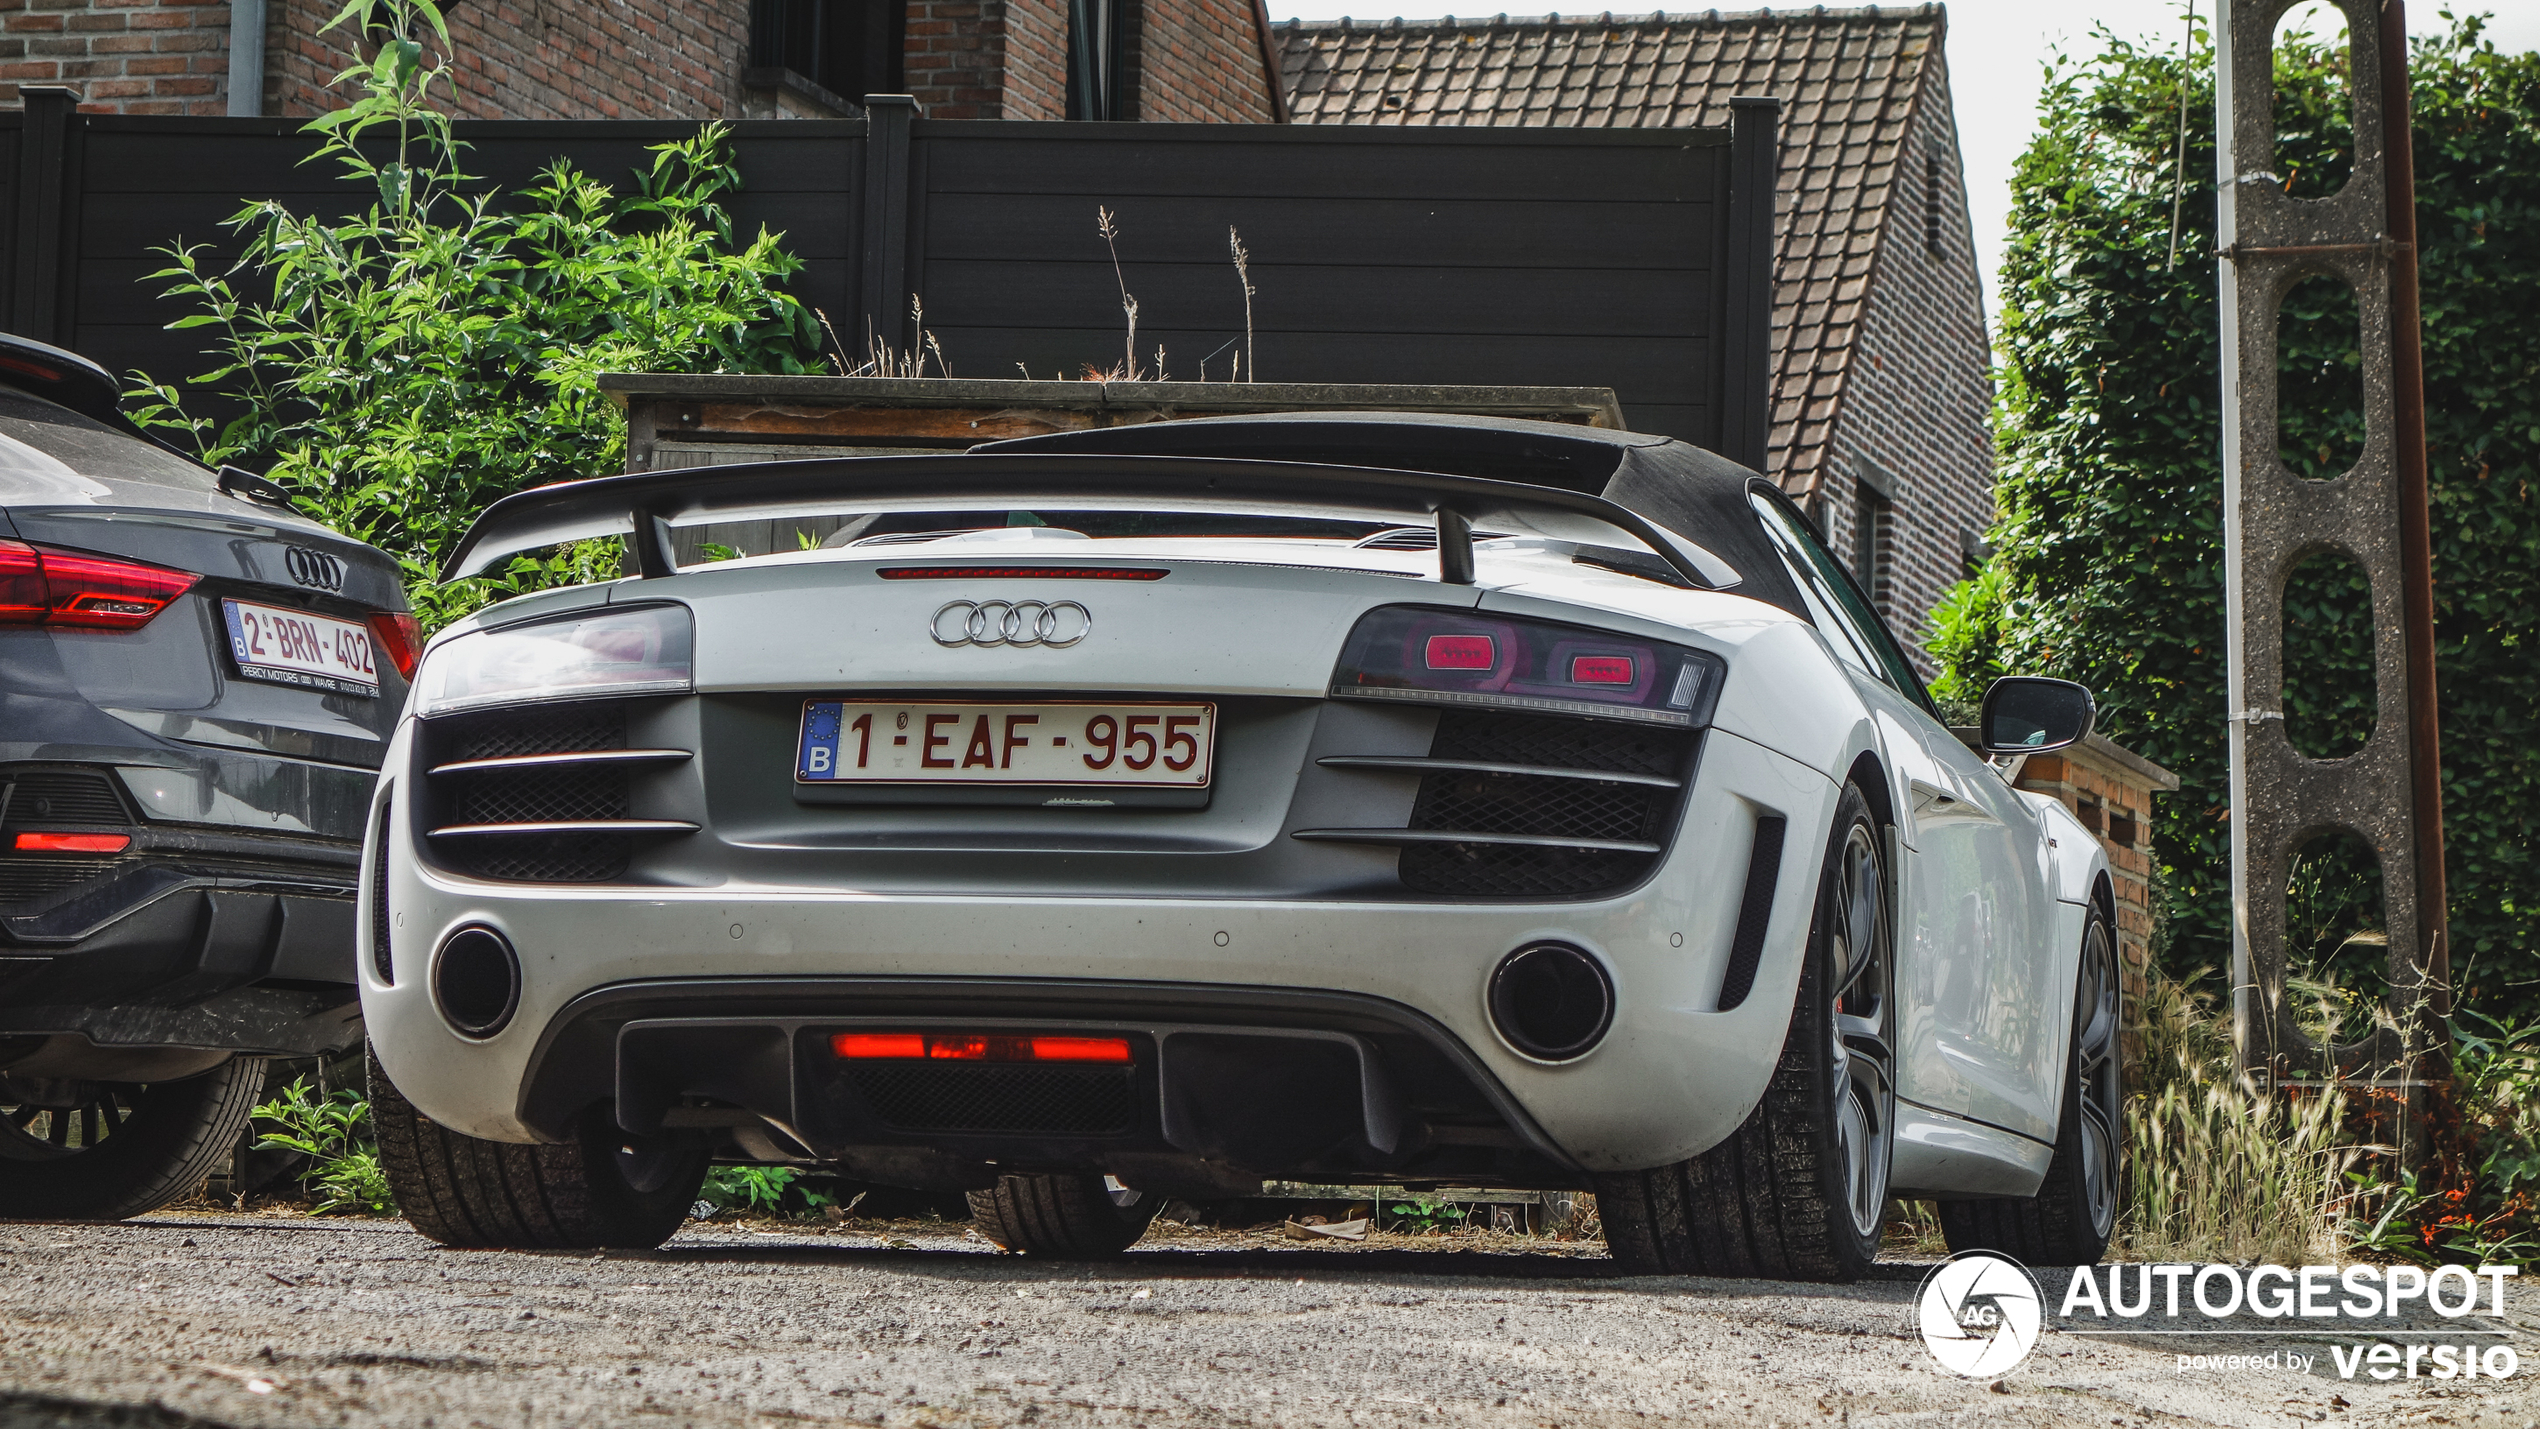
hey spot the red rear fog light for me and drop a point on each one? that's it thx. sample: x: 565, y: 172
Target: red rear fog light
x: 955, y: 1047
x: 1462, y: 652
x: 73, y: 843
x: 1600, y: 669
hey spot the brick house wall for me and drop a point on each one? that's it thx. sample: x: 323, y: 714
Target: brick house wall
x: 988, y: 59
x: 1186, y: 60
x: 1912, y: 445
x: 152, y: 57
x: 540, y: 59
x: 1199, y: 62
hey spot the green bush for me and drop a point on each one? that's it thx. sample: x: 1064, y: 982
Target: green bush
x: 2109, y: 564
x: 400, y: 370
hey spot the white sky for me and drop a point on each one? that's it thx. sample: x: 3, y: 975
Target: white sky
x: 1996, y: 50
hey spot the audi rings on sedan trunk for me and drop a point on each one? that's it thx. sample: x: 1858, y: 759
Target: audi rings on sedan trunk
x: 1019, y: 623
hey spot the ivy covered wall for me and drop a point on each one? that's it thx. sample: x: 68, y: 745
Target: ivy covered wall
x: 2109, y: 544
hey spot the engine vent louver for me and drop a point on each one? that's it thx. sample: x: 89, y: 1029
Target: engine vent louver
x: 541, y: 794
x: 1523, y: 806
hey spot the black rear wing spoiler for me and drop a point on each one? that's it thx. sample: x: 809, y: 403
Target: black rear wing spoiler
x: 643, y: 506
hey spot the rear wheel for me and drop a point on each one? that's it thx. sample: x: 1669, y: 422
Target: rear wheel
x: 1066, y: 1216
x: 602, y: 1188
x: 2074, y: 1213
x: 1800, y: 1191
x: 110, y: 1150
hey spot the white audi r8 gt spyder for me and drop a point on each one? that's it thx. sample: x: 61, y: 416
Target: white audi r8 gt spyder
x: 1148, y: 813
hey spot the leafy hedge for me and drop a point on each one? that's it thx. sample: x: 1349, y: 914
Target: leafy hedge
x: 2109, y: 565
x: 400, y: 370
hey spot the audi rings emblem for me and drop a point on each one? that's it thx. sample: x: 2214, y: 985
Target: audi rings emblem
x: 313, y: 568
x: 1019, y: 623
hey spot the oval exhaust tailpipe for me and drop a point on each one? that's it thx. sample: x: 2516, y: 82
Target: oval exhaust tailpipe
x: 1552, y: 1001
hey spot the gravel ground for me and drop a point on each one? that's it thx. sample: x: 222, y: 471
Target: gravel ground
x: 208, y: 1320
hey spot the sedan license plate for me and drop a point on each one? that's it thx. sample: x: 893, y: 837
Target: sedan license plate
x: 1152, y: 746
x: 293, y: 647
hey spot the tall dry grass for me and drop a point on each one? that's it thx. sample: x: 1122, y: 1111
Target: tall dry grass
x: 2216, y: 1168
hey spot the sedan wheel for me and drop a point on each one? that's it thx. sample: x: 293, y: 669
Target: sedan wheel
x: 111, y: 1150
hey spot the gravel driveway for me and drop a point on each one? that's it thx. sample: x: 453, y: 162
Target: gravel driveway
x: 229, y: 1321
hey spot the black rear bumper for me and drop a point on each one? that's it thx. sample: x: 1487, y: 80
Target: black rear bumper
x: 232, y: 958
x: 1226, y: 1087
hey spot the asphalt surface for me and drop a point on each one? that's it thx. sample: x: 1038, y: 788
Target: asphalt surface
x: 226, y: 1321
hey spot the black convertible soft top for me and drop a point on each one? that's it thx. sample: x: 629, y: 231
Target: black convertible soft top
x: 1699, y: 495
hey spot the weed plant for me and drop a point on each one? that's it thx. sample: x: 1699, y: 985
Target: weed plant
x: 334, y: 1131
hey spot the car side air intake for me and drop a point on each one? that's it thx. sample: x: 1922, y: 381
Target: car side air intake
x: 1755, y: 910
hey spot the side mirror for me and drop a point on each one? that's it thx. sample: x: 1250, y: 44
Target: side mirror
x: 2024, y: 714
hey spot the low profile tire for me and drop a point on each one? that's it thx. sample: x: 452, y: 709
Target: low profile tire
x: 602, y: 1188
x: 1067, y: 1217
x: 2074, y: 1213
x: 1800, y: 1191
x: 127, y: 1149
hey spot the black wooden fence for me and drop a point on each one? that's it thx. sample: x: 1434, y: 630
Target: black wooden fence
x: 1631, y: 258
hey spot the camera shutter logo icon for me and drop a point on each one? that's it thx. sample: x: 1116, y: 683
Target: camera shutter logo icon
x: 1980, y: 1313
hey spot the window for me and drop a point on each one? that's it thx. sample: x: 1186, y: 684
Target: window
x: 1096, y: 49
x: 1835, y: 603
x: 851, y: 48
x: 1873, y: 544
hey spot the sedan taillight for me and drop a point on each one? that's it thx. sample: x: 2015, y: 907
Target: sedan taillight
x: 43, y: 586
x: 396, y: 635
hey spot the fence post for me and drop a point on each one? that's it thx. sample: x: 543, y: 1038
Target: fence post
x: 1746, y: 373
x: 48, y: 215
x: 2388, y: 793
x: 883, y: 304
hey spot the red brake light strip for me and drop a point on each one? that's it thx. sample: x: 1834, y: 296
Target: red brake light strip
x: 1043, y: 573
x: 967, y: 1047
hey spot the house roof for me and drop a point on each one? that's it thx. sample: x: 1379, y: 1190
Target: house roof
x: 1848, y: 80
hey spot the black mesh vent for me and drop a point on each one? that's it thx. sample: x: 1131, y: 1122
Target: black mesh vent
x: 1560, y: 743
x: 1520, y: 872
x: 543, y: 858
x: 539, y: 729
x: 46, y: 797
x: 1074, y: 1101
x: 1520, y: 804
x: 1545, y: 807
x: 25, y: 878
x: 534, y: 795
x: 379, y: 952
x: 539, y: 795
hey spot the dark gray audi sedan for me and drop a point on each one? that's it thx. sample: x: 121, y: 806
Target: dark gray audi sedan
x: 196, y: 684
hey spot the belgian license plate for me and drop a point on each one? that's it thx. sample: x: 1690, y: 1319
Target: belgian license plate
x: 293, y: 647
x: 1156, y: 746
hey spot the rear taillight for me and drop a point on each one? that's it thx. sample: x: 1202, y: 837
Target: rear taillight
x: 73, y: 843
x: 965, y: 1047
x: 399, y: 638
x: 1453, y: 657
x: 43, y: 586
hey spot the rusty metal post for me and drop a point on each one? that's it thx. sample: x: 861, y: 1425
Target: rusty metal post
x: 2389, y: 792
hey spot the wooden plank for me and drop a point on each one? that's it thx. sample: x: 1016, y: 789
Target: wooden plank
x: 1640, y: 370
x: 868, y: 424
x: 1343, y: 232
x: 1660, y: 303
x: 1516, y: 169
